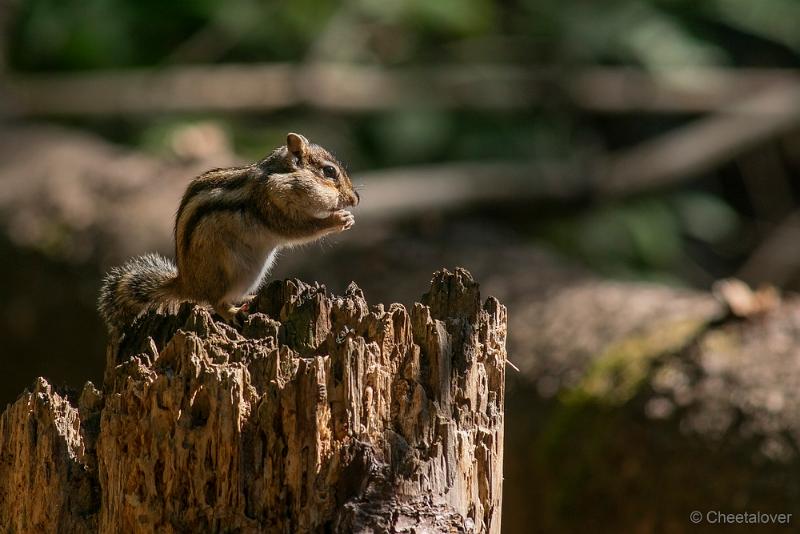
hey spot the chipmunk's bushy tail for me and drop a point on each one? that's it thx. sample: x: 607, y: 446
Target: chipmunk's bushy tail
x: 143, y: 283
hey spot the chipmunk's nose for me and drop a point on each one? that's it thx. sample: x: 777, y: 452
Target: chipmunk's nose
x: 355, y: 198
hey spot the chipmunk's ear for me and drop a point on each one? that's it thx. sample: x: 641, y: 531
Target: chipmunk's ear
x: 297, y: 145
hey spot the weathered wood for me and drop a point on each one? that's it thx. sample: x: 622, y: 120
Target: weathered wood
x: 46, y: 462
x: 347, y: 87
x: 320, y: 413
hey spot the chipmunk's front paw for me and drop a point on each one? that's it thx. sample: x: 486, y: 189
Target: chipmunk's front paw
x: 233, y: 315
x: 247, y: 303
x: 240, y: 318
x: 343, y: 219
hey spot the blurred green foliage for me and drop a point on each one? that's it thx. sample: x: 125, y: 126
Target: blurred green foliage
x: 92, y: 34
x: 643, y: 237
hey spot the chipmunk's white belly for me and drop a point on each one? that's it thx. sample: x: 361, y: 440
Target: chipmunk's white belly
x: 262, y: 273
x: 250, y: 273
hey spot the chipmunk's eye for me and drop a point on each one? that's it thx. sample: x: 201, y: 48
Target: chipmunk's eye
x: 330, y: 172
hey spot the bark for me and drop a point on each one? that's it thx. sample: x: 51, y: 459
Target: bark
x: 319, y: 414
x: 350, y: 88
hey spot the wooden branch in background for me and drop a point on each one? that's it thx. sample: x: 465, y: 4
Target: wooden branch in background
x: 686, y: 152
x: 353, y: 88
x: 670, y: 159
x: 749, y: 105
x: 408, y: 190
x: 680, y: 90
x: 776, y: 259
x: 677, y: 156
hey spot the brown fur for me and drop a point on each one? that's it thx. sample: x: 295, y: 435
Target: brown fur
x: 229, y: 225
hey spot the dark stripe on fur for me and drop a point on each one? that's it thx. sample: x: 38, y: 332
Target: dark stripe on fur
x: 244, y: 207
x: 226, y: 179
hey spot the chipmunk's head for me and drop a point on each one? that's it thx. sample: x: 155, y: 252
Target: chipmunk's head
x: 309, y: 179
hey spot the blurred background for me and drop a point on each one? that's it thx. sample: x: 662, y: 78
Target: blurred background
x: 596, y: 165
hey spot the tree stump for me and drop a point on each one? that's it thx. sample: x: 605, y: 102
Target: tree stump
x: 319, y: 414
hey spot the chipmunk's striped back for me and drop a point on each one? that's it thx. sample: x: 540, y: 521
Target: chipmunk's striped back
x: 215, y: 191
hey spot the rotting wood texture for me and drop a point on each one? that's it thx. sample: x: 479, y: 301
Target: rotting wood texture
x: 319, y: 414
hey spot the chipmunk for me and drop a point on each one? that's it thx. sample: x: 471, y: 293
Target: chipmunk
x: 229, y: 226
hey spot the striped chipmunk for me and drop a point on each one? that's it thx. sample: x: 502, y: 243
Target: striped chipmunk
x: 229, y: 226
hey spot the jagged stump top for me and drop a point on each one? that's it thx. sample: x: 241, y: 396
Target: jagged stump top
x: 320, y: 413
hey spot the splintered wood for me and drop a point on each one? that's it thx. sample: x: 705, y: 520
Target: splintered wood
x: 319, y: 414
